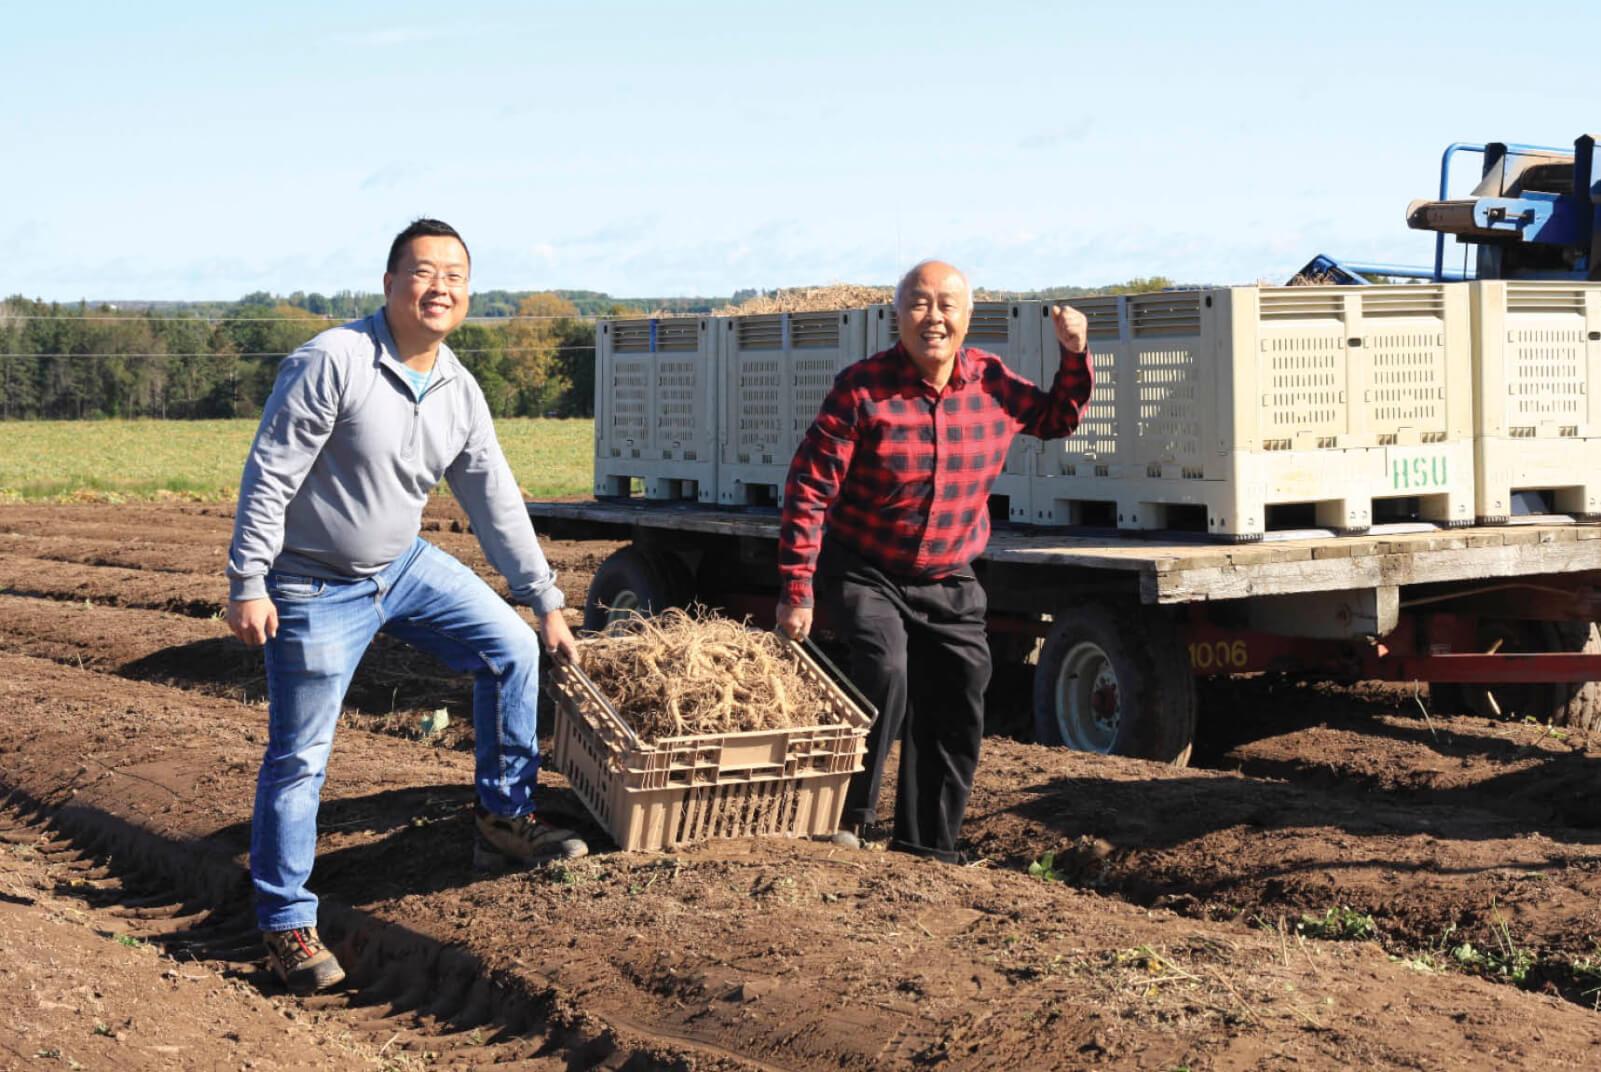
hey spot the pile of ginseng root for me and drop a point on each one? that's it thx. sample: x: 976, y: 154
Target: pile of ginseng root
x: 683, y: 673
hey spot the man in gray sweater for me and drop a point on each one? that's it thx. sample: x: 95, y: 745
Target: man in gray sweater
x: 363, y: 422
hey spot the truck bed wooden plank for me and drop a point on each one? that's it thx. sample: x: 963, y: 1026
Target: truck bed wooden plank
x: 1184, y: 572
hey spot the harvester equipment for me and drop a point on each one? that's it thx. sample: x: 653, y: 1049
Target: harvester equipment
x: 1535, y: 214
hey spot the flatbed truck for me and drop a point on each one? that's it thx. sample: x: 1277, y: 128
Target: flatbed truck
x: 1118, y: 627
x: 1497, y: 618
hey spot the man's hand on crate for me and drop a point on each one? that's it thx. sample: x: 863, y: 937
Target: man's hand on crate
x: 555, y: 636
x: 1072, y: 328
x: 794, y: 622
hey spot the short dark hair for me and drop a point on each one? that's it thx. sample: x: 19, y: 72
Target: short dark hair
x: 419, y: 228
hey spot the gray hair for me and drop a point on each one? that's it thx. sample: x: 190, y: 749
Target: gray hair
x: 900, y: 288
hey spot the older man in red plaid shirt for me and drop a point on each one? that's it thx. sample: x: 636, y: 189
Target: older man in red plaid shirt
x: 886, y: 506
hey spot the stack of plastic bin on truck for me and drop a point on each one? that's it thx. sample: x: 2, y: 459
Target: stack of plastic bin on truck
x: 1267, y: 478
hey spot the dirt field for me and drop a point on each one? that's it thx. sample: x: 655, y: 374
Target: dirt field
x: 1345, y: 877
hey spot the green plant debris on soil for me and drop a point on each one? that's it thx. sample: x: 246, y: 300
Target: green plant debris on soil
x: 117, y: 460
x: 1044, y: 868
x: 1338, y: 924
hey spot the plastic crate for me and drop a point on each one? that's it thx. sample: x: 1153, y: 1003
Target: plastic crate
x: 656, y: 408
x: 1337, y: 401
x: 678, y: 790
x: 1537, y: 421
x: 1017, y: 333
x: 1091, y: 466
x: 776, y: 370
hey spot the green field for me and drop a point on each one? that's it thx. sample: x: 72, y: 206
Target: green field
x: 115, y: 460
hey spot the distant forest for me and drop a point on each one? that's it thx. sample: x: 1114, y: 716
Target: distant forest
x: 532, y: 352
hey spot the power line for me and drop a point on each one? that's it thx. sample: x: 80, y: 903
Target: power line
x: 281, y: 353
x: 308, y: 321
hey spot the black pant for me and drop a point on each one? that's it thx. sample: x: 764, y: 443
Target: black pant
x: 937, y: 629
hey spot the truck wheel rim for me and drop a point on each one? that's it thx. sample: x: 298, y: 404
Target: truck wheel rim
x: 1088, y: 700
x: 625, y: 606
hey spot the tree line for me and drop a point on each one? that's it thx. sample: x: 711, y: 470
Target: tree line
x: 532, y: 352
x: 154, y: 360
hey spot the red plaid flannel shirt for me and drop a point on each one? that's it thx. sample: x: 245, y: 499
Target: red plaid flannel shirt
x: 902, y: 473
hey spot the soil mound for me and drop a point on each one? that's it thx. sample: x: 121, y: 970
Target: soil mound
x: 811, y: 300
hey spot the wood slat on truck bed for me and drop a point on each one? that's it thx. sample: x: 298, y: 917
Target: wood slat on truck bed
x: 1191, y: 571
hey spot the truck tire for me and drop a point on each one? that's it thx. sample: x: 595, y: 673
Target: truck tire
x: 632, y: 582
x: 1116, y: 680
x: 1558, y: 703
x: 1579, y: 706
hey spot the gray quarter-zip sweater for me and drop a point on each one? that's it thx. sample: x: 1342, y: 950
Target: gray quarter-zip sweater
x: 346, y: 456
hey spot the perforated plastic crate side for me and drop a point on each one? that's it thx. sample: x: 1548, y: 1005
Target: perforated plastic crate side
x: 664, y: 818
x: 642, y: 817
x: 776, y: 369
x: 1537, y: 418
x: 578, y: 751
x: 656, y: 390
x: 651, y: 796
x: 1337, y: 368
x: 754, y: 756
x: 1219, y: 404
x: 1076, y: 476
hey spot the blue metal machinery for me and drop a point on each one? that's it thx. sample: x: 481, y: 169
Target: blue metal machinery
x: 1535, y: 214
x: 1325, y: 269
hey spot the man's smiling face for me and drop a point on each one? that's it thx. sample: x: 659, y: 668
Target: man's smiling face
x: 425, y: 297
x: 934, y: 308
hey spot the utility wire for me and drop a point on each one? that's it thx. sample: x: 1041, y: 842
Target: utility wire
x: 285, y: 353
x: 184, y: 318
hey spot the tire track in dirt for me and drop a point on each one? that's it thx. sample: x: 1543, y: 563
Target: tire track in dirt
x: 790, y: 954
x: 141, y: 554
x: 191, y: 581
x: 1327, y: 812
x: 394, y: 684
x: 1432, y: 867
x: 1211, y: 847
x: 175, y: 520
x: 404, y: 995
x: 196, y: 595
x: 136, y: 976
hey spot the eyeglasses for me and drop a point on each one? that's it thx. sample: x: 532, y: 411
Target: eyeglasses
x: 450, y: 277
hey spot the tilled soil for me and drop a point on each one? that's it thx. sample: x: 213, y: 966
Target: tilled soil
x: 1177, y: 918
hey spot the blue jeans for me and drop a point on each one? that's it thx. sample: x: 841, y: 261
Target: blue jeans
x: 431, y: 601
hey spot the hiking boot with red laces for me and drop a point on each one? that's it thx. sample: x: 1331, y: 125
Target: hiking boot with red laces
x: 522, y: 841
x: 301, y: 960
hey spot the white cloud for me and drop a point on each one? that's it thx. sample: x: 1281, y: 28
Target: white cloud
x: 395, y: 174
x: 1062, y: 135
x: 395, y: 35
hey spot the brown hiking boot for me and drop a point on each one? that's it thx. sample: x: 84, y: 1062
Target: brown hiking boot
x: 525, y: 840
x: 301, y: 960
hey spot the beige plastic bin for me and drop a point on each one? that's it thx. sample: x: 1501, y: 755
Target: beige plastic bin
x: 1537, y: 361
x: 1078, y: 480
x: 678, y: 790
x: 1231, y: 401
x: 656, y: 408
x: 776, y: 370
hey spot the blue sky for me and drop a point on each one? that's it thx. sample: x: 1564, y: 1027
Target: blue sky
x: 202, y: 151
